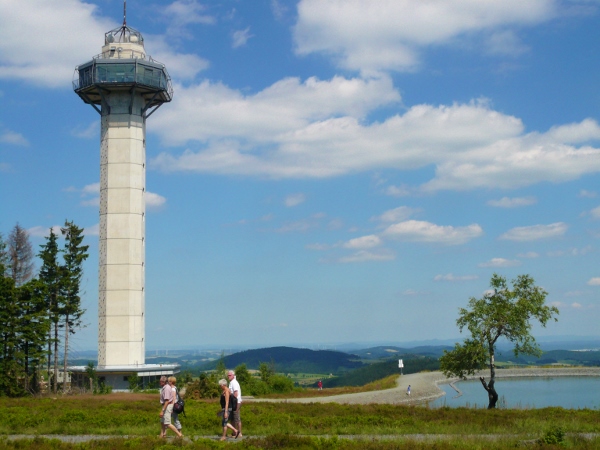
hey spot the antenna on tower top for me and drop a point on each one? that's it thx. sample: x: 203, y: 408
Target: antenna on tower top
x: 124, y: 13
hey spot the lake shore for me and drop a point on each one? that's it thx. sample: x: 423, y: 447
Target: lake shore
x: 424, y: 386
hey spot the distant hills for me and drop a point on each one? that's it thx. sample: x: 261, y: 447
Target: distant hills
x: 292, y: 360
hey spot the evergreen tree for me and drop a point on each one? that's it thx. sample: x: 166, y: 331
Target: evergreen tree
x: 33, y: 330
x: 51, y: 276
x: 20, y: 255
x: 10, y: 369
x: 74, y: 255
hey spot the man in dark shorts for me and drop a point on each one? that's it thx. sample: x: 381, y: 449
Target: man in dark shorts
x: 235, y: 389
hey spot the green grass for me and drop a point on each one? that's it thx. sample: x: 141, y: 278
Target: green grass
x: 137, y: 414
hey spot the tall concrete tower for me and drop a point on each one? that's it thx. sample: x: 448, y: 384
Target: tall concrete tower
x: 125, y: 86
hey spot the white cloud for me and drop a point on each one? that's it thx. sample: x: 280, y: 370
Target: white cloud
x: 420, y: 231
x: 505, y: 42
x: 39, y: 231
x: 576, y: 305
x: 587, y: 194
x: 316, y: 129
x: 240, y: 37
x: 528, y: 255
x: 363, y: 242
x: 595, y: 213
x: 65, y: 33
x: 594, y: 281
x: 294, y: 200
x: 389, y: 34
x: 93, y: 230
x: 365, y: 256
x: 396, y: 215
x: 92, y: 131
x: 500, y: 262
x: 506, y: 202
x: 61, y: 34
x: 451, y: 277
x: 154, y: 201
x: 535, y: 232
x: 397, y: 191
x: 13, y: 138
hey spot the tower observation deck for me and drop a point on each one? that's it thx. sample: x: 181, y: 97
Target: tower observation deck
x: 125, y: 86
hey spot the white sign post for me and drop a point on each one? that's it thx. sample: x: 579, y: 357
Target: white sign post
x: 401, y: 365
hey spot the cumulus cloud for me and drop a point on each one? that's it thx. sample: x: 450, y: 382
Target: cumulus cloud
x: 535, y: 232
x: 420, y: 231
x: 506, y: 202
x: 451, y: 277
x: 396, y: 215
x: 366, y: 255
x: 294, y: 200
x: 500, y: 262
x: 13, y: 138
x: 595, y: 213
x: 363, y: 242
x: 240, y: 37
x: 587, y: 194
x: 80, y: 29
x: 389, y: 34
x: 316, y: 129
x: 528, y: 255
x: 594, y: 281
x: 39, y: 231
x: 154, y: 201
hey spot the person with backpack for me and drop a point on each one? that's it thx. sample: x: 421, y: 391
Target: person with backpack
x: 236, y: 390
x: 178, y: 401
x: 228, y: 404
x: 166, y: 408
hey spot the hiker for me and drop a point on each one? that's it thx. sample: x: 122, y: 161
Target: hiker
x: 166, y: 401
x: 174, y: 416
x: 408, y: 390
x: 226, y: 411
x: 235, y: 389
x: 320, y: 385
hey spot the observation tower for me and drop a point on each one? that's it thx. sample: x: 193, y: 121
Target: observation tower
x: 125, y: 86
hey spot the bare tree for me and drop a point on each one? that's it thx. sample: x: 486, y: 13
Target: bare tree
x: 20, y: 256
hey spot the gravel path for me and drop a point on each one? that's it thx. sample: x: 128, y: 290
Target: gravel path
x: 424, y: 386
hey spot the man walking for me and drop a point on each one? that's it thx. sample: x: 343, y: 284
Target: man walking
x: 166, y: 408
x: 235, y: 389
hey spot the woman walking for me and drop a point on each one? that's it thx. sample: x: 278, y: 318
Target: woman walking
x: 227, y: 407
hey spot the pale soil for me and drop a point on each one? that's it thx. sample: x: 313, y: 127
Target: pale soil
x: 424, y: 386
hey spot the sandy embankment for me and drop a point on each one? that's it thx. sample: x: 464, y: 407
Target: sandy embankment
x: 424, y: 386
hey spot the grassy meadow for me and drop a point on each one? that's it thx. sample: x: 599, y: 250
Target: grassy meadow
x: 291, y: 425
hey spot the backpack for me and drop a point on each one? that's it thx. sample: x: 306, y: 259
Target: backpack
x: 178, y: 406
x: 233, y: 402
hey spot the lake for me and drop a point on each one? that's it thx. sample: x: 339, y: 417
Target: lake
x: 526, y: 393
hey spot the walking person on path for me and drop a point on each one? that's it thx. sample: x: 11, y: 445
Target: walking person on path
x: 408, y: 390
x: 235, y: 389
x: 175, y: 416
x: 166, y: 408
x: 226, y: 411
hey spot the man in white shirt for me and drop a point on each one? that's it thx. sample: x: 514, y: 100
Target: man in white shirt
x: 235, y: 389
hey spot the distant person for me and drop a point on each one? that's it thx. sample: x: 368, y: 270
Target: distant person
x: 235, y: 389
x: 166, y: 401
x: 320, y: 385
x: 226, y: 412
x: 174, y: 416
x: 408, y: 390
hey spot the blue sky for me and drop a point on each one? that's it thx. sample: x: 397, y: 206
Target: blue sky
x: 328, y: 171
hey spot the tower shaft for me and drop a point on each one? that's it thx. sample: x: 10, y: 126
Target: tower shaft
x: 122, y: 230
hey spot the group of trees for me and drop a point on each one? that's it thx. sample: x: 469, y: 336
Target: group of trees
x: 37, y: 314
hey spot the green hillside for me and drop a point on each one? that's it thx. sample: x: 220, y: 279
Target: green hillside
x: 292, y: 360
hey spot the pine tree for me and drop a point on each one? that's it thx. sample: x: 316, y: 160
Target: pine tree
x: 20, y: 255
x: 74, y: 255
x: 51, y: 275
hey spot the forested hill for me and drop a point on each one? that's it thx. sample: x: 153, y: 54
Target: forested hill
x: 293, y: 360
x: 389, y: 352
